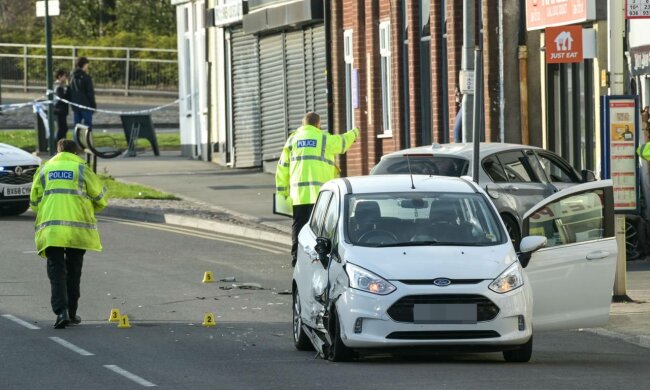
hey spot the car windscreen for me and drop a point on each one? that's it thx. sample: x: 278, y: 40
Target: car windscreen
x: 422, y: 165
x: 421, y: 218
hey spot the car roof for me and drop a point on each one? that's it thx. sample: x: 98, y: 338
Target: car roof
x: 401, y: 183
x: 463, y: 150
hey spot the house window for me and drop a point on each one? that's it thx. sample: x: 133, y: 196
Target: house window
x: 386, y: 88
x: 348, y: 58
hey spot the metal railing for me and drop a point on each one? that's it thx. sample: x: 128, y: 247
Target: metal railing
x: 123, y: 70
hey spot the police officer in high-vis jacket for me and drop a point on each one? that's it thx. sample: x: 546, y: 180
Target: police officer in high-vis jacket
x: 307, y: 162
x: 65, y: 195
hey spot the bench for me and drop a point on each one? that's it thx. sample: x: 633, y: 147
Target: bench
x: 83, y: 136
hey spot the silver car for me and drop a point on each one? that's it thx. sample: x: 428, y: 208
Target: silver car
x: 516, y: 177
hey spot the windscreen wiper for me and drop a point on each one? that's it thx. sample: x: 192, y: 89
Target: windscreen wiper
x: 409, y: 243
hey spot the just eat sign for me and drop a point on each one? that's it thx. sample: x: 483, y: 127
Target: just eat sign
x: 563, y: 44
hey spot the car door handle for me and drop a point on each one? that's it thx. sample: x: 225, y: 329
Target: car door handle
x: 597, y: 255
x: 512, y: 188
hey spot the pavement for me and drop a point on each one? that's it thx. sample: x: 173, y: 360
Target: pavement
x: 238, y: 201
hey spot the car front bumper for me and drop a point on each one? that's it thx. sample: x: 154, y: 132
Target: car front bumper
x: 379, y: 330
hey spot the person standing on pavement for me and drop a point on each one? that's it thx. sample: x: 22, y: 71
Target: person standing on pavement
x: 82, y: 92
x: 65, y: 195
x: 306, y: 163
x: 61, y: 108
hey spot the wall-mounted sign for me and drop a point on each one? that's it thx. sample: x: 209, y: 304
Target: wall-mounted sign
x: 563, y: 44
x: 637, y: 9
x: 547, y: 13
x: 466, y: 82
x: 52, y: 8
x: 640, y: 57
x: 231, y: 12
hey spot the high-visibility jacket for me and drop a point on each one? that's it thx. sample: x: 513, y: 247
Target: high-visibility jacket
x: 307, y: 162
x: 65, y: 195
x: 644, y: 151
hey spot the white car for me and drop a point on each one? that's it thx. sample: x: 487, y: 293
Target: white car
x: 17, y: 169
x: 425, y: 261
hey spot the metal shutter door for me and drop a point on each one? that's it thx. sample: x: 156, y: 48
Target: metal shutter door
x: 319, y: 75
x: 296, y: 88
x: 245, y: 100
x: 274, y: 132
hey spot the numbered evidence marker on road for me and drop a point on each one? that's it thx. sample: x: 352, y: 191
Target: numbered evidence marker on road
x: 208, y: 277
x: 208, y: 320
x: 114, y: 316
x: 124, y: 322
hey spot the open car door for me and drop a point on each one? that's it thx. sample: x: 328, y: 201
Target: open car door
x: 572, y: 278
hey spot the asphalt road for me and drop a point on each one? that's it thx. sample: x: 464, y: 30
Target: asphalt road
x: 153, y: 273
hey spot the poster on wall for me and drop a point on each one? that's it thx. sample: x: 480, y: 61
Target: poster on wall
x: 620, y: 139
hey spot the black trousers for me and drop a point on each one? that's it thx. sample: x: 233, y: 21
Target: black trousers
x: 61, y: 126
x: 64, y: 270
x: 301, y: 215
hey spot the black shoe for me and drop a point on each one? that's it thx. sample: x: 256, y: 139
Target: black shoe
x: 75, y: 320
x: 62, y: 320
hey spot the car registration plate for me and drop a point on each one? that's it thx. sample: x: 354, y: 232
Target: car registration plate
x: 444, y: 313
x: 16, y: 191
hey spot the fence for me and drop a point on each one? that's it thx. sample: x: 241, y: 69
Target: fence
x: 123, y: 70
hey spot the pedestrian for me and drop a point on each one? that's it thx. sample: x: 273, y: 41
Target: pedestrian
x: 306, y: 163
x: 61, y: 108
x: 82, y: 93
x: 65, y: 195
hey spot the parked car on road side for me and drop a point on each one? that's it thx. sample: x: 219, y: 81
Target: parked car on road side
x: 515, y: 176
x: 17, y: 169
x: 424, y: 261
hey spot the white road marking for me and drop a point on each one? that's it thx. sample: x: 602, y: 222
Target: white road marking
x: 20, y: 322
x: 71, y: 346
x: 128, y: 375
x: 30, y: 252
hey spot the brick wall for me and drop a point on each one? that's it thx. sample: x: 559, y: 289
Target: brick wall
x: 454, y: 56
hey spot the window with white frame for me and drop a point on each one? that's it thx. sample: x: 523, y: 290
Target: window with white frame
x: 348, y: 58
x: 384, y: 53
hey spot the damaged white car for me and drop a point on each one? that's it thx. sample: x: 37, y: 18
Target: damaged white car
x: 388, y: 262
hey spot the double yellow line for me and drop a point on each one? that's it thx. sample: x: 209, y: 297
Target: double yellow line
x: 251, y: 243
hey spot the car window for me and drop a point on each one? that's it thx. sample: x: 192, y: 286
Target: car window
x: 423, y: 165
x: 423, y: 218
x: 316, y: 222
x: 331, y: 218
x: 517, y: 167
x: 556, y: 170
x: 576, y: 218
x: 494, y: 169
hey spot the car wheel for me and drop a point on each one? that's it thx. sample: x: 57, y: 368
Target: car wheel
x: 338, y: 352
x: 513, y: 230
x: 632, y: 251
x: 300, y: 339
x: 14, y: 209
x: 520, y: 355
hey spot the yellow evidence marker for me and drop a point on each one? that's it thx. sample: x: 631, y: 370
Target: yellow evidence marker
x: 208, y: 277
x: 208, y: 320
x: 114, y: 316
x: 124, y: 322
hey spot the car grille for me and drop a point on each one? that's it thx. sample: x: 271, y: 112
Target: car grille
x: 402, y: 310
x: 444, y: 335
x: 8, y: 175
x: 429, y: 282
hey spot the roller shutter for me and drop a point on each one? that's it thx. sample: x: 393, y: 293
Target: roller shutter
x: 296, y: 75
x: 273, y: 102
x: 319, y: 73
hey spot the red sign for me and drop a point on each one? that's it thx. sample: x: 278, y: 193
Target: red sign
x: 563, y: 44
x: 546, y: 13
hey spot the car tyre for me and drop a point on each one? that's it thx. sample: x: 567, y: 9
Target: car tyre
x: 339, y: 352
x: 520, y: 355
x: 300, y: 339
x: 14, y: 209
x: 513, y: 230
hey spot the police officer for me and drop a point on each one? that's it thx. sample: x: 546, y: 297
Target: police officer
x: 307, y: 162
x: 65, y: 195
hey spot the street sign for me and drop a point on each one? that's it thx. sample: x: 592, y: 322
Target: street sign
x: 545, y: 13
x: 563, y: 44
x: 637, y: 9
x: 53, y: 8
x: 466, y: 82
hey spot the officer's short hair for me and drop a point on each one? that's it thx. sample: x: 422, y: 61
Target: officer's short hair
x: 311, y: 118
x: 67, y: 145
x: 81, y: 61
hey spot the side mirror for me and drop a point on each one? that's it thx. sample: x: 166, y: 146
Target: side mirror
x: 529, y: 245
x: 587, y: 175
x: 323, y: 248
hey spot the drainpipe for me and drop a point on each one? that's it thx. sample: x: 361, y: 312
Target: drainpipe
x: 523, y: 94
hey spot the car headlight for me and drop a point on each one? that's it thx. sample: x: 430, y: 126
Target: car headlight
x: 365, y: 280
x: 509, y: 279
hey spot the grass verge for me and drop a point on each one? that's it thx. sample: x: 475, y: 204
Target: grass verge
x: 26, y: 140
x: 119, y: 190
